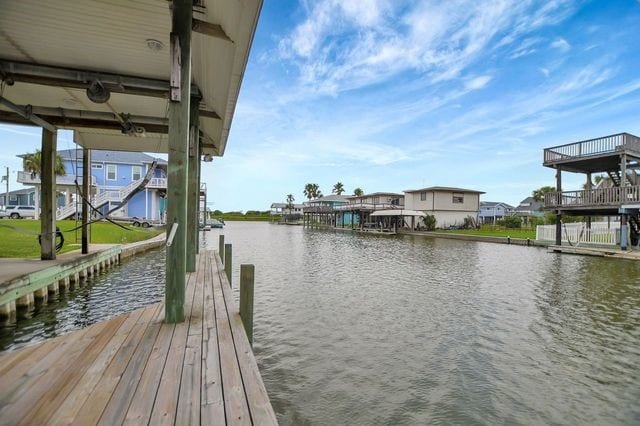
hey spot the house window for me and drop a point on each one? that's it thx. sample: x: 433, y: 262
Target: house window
x: 96, y: 166
x: 13, y: 198
x: 136, y: 172
x: 458, y: 198
x: 423, y: 196
x: 111, y: 172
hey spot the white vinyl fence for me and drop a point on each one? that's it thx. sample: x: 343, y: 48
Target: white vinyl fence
x: 601, y: 233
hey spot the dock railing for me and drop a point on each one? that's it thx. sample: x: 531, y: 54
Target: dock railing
x: 591, y: 147
x: 614, y: 196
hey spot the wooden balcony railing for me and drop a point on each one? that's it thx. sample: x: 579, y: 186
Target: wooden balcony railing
x: 591, y: 147
x: 600, y: 197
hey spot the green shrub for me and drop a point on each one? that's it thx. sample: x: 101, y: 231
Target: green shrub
x: 512, y: 222
x: 429, y: 222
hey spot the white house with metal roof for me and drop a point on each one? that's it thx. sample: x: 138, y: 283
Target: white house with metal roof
x: 449, y: 205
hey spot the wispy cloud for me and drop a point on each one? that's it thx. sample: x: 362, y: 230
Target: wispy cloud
x: 340, y: 47
x: 478, y: 82
x: 561, y: 44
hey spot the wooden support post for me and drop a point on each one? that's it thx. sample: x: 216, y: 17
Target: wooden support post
x: 86, y: 191
x: 227, y: 262
x: 48, y: 212
x: 8, y: 310
x: 624, y: 241
x: 193, y: 189
x: 199, y: 176
x: 623, y: 170
x: 221, y: 248
x: 246, y: 299
x: 178, y: 159
x: 559, y: 202
x: 53, y: 288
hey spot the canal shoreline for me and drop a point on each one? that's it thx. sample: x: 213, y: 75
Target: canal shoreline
x: 25, y: 280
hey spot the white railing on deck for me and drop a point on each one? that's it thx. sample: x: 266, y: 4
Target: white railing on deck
x: 601, y: 233
x: 34, y: 179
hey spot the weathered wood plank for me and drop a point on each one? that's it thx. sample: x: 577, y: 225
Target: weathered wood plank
x: 22, y: 393
x: 212, y: 405
x: 116, y: 409
x: 165, y: 405
x: 188, y: 410
x: 69, y: 409
x: 259, y: 404
x: 235, y: 402
x: 142, y: 402
x: 65, y: 382
x: 96, y: 402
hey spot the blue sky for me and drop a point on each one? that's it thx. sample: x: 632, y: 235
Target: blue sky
x: 394, y: 95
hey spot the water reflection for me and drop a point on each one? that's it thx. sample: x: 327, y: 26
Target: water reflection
x: 132, y: 285
x: 355, y: 329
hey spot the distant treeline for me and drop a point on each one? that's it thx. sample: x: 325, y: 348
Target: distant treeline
x: 238, y: 215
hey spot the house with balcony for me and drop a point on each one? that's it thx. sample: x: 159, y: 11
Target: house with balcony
x: 115, y: 175
x: 358, y: 209
x: 493, y: 211
x: 450, y: 206
x: 616, y: 156
x: 528, y: 209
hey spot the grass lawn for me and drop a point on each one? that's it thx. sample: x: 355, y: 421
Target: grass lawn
x: 24, y: 243
x: 497, y: 231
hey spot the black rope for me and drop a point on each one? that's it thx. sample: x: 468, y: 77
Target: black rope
x: 58, y: 234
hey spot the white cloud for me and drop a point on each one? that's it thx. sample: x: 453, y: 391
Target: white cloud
x: 478, y: 82
x: 544, y: 71
x: 561, y: 44
x: 347, y: 45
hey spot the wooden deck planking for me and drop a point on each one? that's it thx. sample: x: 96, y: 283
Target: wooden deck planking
x: 212, y: 412
x: 135, y: 369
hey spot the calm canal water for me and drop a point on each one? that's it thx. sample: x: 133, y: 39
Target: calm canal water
x: 353, y: 329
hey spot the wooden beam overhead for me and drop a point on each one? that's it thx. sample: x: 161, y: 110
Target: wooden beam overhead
x: 209, y: 29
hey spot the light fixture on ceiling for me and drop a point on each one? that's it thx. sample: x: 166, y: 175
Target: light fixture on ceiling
x: 97, y: 93
x: 155, y: 45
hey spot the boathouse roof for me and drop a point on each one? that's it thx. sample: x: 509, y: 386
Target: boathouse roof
x: 119, y: 51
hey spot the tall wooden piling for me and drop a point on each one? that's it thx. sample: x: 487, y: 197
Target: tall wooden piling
x: 48, y: 201
x: 179, y: 108
x: 227, y: 262
x: 221, y: 248
x: 246, y: 299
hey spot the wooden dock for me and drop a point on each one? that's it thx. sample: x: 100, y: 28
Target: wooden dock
x: 136, y: 369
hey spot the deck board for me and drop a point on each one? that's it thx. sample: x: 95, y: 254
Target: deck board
x: 135, y: 369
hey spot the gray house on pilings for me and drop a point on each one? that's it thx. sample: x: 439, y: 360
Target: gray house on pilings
x: 617, y: 156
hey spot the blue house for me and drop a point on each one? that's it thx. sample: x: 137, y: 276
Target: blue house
x: 492, y: 211
x: 114, y: 176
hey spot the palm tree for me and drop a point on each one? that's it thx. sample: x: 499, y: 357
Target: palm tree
x: 358, y: 192
x: 338, y: 188
x: 538, y: 194
x: 32, y: 162
x: 308, y: 191
x: 290, y: 201
x: 312, y: 190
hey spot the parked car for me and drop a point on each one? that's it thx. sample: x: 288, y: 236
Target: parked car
x: 3, y: 214
x: 20, y: 212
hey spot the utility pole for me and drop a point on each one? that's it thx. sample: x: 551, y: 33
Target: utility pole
x: 6, y: 197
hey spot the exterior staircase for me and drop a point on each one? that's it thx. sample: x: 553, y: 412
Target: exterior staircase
x: 99, y: 200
